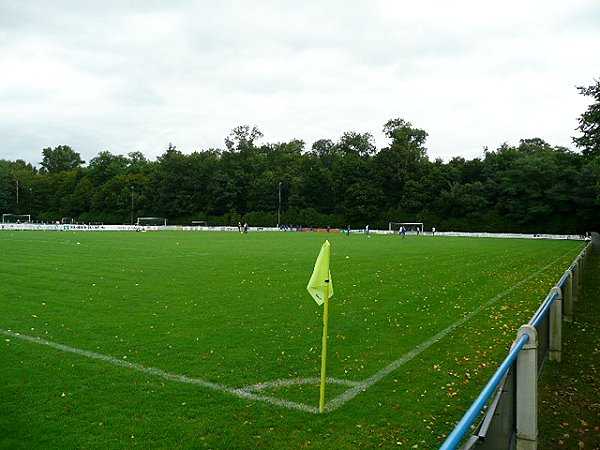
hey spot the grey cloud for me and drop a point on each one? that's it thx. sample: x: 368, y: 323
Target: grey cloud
x: 135, y: 75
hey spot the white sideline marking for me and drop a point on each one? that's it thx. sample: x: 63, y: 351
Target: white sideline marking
x: 248, y: 391
x: 367, y: 383
x: 242, y: 393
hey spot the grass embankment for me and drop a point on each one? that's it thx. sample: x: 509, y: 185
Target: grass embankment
x: 569, y: 392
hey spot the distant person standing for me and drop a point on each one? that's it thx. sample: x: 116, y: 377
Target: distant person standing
x: 240, y: 227
x: 367, y: 230
x: 433, y: 231
x: 245, y: 227
x: 403, y: 232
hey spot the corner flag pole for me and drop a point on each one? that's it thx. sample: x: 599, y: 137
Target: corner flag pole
x: 324, y: 350
x: 320, y: 287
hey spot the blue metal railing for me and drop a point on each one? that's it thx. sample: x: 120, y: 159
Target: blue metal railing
x: 563, y: 280
x: 543, y: 310
x: 465, y: 423
x: 469, y: 417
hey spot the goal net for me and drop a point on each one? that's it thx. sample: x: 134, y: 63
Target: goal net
x: 152, y: 221
x: 199, y: 223
x: 16, y: 218
x: 409, y: 226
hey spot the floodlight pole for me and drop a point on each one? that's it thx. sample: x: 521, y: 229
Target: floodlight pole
x: 131, y: 204
x: 279, y: 210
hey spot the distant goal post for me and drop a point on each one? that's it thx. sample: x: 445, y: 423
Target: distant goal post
x: 16, y: 218
x: 151, y: 221
x: 410, y: 226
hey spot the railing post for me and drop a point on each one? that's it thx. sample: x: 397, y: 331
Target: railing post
x: 594, y: 245
x: 576, y: 268
x: 567, y: 295
x: 555, y: 344
x: 527, y: 391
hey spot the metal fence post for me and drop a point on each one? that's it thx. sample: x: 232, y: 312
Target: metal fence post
x: 567, y: 295
x: 555, y: 344
x: 527, y: 391
x: 595, y: 243
x: 575, y: 269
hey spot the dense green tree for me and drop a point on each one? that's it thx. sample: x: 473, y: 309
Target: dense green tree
x: 8, y: 187
x: 16, y: 187
x: 589, y: 123
x: 312, y: 186
x: 106, y: 166
x: 242, y: 138
x: 138, y: 163
x: 170, y: 187
x: 531, y: 187
x: 362, y: 203
x: 402, y: 161
x: 63, y: 202
x: 61, y: 158
x: 222, y: 194
x: 402, y: 133
x: 360, y: 144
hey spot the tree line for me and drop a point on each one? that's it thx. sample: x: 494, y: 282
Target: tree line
x: 531, y: 187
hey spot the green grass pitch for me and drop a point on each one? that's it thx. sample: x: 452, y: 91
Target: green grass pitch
x: 210, y: 340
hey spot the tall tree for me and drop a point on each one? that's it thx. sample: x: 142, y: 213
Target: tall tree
x: 242, y: 138
x: 171, y: 185
x: 59, y: 159
x: 106, y: 166
x: 137, y: 162
x: 356, y: 143
x: 402, y: 161
x: 589, y: 123
x: 402, y: 133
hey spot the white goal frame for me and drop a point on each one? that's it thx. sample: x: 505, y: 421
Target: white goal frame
x: 199, y: 223
x: 157, y: 219
x: 419, y: 225
x: 28, y: 216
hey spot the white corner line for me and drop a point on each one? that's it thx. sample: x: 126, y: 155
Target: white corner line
x: 248, y: 392
x: 242, y: 393
x: 362, y: 386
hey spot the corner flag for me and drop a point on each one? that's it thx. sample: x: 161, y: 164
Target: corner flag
x: 320, y: 287
x: 321, y: 276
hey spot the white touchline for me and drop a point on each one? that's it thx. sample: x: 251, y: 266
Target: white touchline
x: 249, y: 391
x: 365, y: 384
x: 161, y: 373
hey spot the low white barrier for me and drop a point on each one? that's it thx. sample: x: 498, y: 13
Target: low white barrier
x: 84, y: 227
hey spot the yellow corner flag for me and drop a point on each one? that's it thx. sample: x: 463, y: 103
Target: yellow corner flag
x: 321, y: 276
x: 320, y: 287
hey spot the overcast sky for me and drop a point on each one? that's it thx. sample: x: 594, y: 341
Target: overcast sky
x: 137, y: 75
